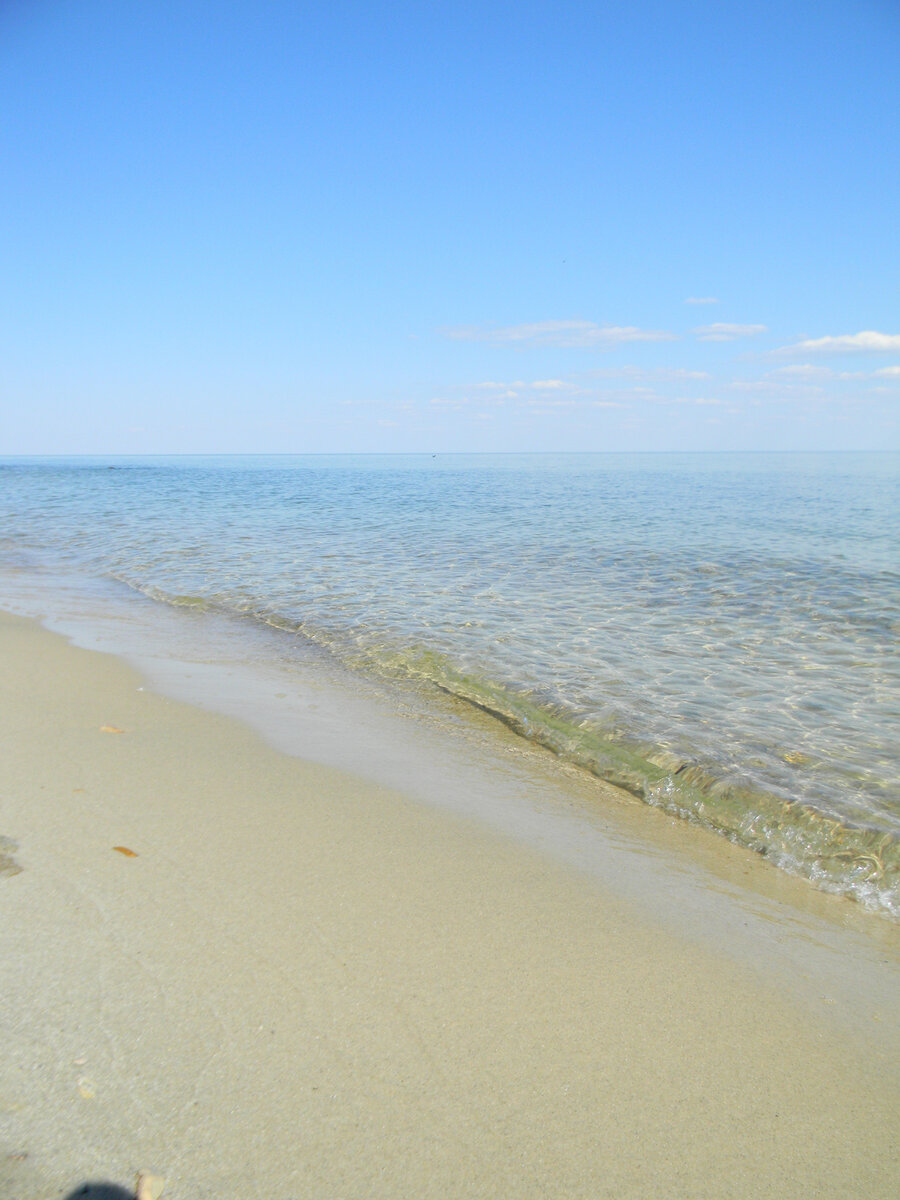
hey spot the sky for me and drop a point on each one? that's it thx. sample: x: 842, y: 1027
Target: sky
x: 273, y: 226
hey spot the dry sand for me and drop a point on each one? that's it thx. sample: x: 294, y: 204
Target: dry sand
x: 300, y: 984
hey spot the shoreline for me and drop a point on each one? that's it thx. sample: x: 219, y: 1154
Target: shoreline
x: 735, y: 673
x: 305, y: 984
x: 445, y: 752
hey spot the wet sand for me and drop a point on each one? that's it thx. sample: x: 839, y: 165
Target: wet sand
x: 264, y: 978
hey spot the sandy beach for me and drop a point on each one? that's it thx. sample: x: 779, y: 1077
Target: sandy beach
x: 265, y: 979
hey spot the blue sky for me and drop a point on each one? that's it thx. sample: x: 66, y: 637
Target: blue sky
x: 271, y: 226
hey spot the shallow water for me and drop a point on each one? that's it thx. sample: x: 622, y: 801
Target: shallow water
x: 713, y: 632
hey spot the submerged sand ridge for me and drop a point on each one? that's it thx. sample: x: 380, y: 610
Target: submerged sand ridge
x: 300, y: 984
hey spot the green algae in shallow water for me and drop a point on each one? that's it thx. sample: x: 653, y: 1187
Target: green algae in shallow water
x: 200, y: 602
x: 838, y: 856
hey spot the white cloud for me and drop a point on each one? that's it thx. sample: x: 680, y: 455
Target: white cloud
x: 538, y: 385
x: 584, y: 334
x: 722, y: 332
x: 890, y: 372
x: 702, y: 300
x: 847, y: 343
x: 804, y: 371
x: 502, y: 389
x: 660, y: 373
x: 775, y: 387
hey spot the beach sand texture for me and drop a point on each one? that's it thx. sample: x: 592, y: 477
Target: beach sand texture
x: 299, y: 984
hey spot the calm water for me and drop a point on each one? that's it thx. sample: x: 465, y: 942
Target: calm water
x: 715, y: 633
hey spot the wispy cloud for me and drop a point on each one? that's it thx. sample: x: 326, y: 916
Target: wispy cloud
x: 630, y: 372
x: 538, y: 385
x: 812, y: 371
x: 723, y: 332
x: 502, y: 389
x: 775, y: 387
x: 584, y: 334
x: 546, y: 394
x: 868, y: 341
x: 803, y: 371
x: 702, y: 300
x: 552, y: 385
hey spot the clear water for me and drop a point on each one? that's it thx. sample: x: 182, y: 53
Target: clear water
x: 715, y: 633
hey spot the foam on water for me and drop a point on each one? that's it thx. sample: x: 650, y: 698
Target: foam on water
x: 714, y: 633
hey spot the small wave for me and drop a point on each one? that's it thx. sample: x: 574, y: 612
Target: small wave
x: 838, y: 856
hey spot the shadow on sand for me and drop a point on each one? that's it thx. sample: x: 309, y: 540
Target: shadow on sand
x: 100, y: 1191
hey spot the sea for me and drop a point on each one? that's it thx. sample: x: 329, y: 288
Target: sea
x: 716, y: 634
